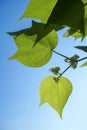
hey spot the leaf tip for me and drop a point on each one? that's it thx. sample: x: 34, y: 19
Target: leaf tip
x: 8, y: 33
x: 21, y: 17
x: 11, y: 58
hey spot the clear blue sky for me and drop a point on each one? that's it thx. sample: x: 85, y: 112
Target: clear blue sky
x: 19, y: 85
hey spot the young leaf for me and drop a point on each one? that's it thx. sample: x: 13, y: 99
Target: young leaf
x: 74, y: 33
x: 73, y: 61
x: 55, y: 93
x: 83, y: 48
x: 83, y: 65
x: 55, y: 70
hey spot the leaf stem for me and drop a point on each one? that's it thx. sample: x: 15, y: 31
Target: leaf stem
x: 60, y: 54
x: 64, y: 71
x: 72, y: 61
x: 82, y: 59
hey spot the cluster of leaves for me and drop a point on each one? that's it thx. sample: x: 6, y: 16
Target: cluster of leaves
x: 35, y: 45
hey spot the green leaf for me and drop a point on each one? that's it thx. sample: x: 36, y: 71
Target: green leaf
x: 83, y: 65
x: 73, y: 14
x: 84, y: 1
x: 55, y: 70
x: 34, y: 57
x: 27, y: 53
x: 85, y: 18
x: 40, y: 31
x: 59, y: 14
x: 39, y: 9
x: 74, y: 33
x: 68, y: 13
x: 55, y: 93
x: 83, y: 48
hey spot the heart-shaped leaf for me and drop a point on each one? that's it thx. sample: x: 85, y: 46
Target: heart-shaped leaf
x: 55, y: 93
x: 30, y: 54
x: 34, y: 57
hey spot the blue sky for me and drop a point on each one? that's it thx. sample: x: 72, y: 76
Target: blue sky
x: 19, y: 85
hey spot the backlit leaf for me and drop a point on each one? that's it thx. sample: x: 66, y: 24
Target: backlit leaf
x: 39, y: 9
x: 27, y: 53
x: 34, y: 57
x: 75, y: 33
x: 84, y: 1
x: 61, y: 13
x: 40, y: 31
x: 55, y: 93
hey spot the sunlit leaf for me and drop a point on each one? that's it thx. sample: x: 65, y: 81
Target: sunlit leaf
x: 40, y: 9
x: 55, y: 93
x: 74, y: 33
x: 84, y: 1
x: 40, y: 31
x: 27, y: 53
x: 59, y: 14
x: 83, y: 65
x: 34, y: 57
x: 83, y: 48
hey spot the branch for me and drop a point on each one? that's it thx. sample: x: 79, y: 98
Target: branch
x: 73, y: 61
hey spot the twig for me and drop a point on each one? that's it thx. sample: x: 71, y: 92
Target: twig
x: 61, y: 54
x: 82, y: 59
x: 64, y: 71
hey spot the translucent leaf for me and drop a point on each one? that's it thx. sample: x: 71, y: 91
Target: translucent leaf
x: 61, y: 13
x: 74, y: 33
x: 55, y: 93
x: 34, y: 57
x: 83, y: 65
x: 27, y: 53
x: 40, y: 31
x: 84, y: 1
x: 40, y: 9
x: 83, y: 48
